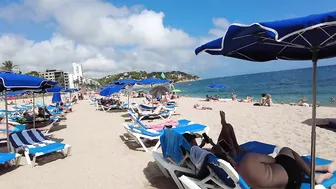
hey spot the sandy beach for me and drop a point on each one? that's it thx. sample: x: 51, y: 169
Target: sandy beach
x: 101, y: 158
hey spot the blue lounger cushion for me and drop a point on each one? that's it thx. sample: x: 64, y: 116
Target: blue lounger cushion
x: 4, y: 157
x: 319, y: 161
x: 184, y: 129
x: 49, y: 148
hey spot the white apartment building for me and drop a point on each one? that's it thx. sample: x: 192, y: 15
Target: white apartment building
x: 78, y: 72
x: 71, y: 81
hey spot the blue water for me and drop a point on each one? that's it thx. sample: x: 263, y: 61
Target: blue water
x: 284, y: 86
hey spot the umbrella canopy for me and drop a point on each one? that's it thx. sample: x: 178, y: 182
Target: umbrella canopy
x: 108, y: 91
x: 55, y: 89
x: 217, y: 86
x: 307, y: 38
x: 126, y: 81
x: 14, y: 82
x: 158, y: 91
x: 15, y: 93
x: 176, y: 91
x: 56, y: 98
x: 292, y: 39
x: 150, y: 81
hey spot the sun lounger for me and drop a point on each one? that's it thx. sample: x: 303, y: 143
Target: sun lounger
x: 166, y: 114
x: 6, y: 157
x: 223, y: 175
x: 35, y: 144
x: 181, y: 122
x: 139, y: 134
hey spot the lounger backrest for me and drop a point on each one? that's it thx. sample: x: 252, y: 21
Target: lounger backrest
x: 26, y: 137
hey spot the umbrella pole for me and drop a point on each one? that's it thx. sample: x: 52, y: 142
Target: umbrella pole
x: 34, y: 110
x: 7, y: 129
x: 313, y: 132
x: 43, y: 105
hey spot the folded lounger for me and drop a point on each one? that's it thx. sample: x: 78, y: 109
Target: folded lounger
x: 35, y: 144
x: 223, y: 175
x: 140, y: 134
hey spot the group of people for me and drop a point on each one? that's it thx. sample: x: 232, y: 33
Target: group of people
x: 261, y: 171
x: 109, y: 102
x: 210, y: 98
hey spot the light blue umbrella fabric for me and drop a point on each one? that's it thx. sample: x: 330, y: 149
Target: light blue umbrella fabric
x: 108, y: 91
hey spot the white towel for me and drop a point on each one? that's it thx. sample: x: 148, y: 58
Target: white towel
x: 197, y: 156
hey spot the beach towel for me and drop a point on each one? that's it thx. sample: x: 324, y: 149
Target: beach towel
x: 161, y: 126
x: 198, y: 155
x: 171, y: 143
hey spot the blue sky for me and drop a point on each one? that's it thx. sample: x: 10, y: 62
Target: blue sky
x: 195, y: 18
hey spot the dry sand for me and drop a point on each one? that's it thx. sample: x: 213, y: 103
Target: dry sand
x: 102, y: 159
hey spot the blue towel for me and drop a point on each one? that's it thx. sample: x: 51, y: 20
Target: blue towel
x: 171, y: 143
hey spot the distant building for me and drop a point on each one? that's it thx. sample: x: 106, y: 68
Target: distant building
x: 57, y: 75
x: 78, y: 72
x: 71, y: 81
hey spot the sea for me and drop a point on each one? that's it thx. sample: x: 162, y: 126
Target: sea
x: 284, y: 86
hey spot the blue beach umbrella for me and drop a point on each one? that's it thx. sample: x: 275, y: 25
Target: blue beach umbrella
x: 55, y: 89
x: 10, y: 81
x: 108, y: 91
x: 217, y: 86
x: 70, y: 90
x: 150, y: 81
x: 126, y: 81
x: 56, y: 98
x: 306, y: 38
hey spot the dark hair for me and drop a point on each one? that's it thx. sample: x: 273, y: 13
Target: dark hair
x: 263, y: 95
x: 189, y: 137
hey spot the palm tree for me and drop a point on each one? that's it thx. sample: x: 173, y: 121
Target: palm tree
x: 8, y: 65
x: 33, y: 73
x: 60, y: 81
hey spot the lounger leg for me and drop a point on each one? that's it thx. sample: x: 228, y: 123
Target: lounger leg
x: 176, y: 180
x: 163, y: 170
x: 142, y: 144
x: 69, y: 151
x: 17, y: 160
x: 156, y: 146
x: 34, y: 160
x: 27, y: 157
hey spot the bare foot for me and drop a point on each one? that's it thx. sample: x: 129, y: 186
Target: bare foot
x: 319, y: 178
x: 222, y: 115
x: 332, y: 167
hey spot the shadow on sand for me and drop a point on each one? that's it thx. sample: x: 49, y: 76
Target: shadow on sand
x: 133, y: 145
x: 322, y: 123
x: 156, y: 177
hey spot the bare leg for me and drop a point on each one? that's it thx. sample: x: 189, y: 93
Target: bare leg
x: 305, y: 167
x: 228, y: 135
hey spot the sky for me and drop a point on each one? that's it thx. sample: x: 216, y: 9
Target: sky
x: 114, y: 36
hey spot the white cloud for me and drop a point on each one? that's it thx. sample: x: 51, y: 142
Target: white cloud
x: 105, y: 38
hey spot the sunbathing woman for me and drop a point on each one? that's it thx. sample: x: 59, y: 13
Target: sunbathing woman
x: 262, y: 171
x: 43, y: 112
x: 201, y: 107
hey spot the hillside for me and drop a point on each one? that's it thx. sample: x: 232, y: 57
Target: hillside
x: 176, y: 76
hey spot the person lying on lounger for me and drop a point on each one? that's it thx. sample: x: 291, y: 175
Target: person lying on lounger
x: 43, y: 112
x: 157, y: 110
x: 201, y: 107
x: 262, y: 171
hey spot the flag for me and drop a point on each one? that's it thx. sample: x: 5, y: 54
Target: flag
x: 163, y: 76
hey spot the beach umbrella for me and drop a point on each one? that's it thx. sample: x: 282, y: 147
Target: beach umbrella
x: 129, y: 82
x: 108, y: 91
x: 306, y: 38
x: 10, y: 81
x: 150, y: 81
x: 176, y: 91
x: 217, y: 86
x: 56, y: 98
x: 158, y: 91
x: 55, y: 89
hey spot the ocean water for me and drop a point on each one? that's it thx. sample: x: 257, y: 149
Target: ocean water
x: 284, y: 86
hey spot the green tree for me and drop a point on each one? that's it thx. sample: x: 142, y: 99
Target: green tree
x: 8, y: 65
x: 60, y: 81
x: 33, y: 73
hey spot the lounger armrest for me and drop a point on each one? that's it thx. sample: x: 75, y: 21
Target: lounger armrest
x: 188, y: 183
